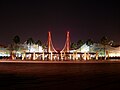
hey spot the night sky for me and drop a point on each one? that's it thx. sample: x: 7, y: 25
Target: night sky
x: 84, y: 19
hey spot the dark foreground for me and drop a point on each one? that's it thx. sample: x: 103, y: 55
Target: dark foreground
x: 63, y: 76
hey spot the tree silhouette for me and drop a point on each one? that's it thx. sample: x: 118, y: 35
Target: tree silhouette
x: 14, y: 47
x: 16, y: 39
x: 73, y: 45
x: 39, y: 43
x: 89, y: 42
x: 79, y: 43
x: 104, y: 42
x: 30, y: 41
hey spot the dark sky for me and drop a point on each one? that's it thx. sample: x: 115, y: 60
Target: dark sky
x: 84, y: 19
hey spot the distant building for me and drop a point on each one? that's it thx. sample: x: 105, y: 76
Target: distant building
x: 3, y: 51
x: 33, y: 48
x: 96, y: 47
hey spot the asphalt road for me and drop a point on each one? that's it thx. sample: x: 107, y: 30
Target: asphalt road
x: 59, y: 76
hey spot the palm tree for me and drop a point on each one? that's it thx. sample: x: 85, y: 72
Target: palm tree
x: 39, y: 43
x: 30, y: 41
x: 44, y: 47
x: 14, y: 47
x: 73, y: 45
x: 89, y: 42
x: 104, y: 42
x: 79, y: 43
x: 16, y: 39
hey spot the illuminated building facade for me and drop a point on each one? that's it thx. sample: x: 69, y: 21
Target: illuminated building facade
x: 34, y: 51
